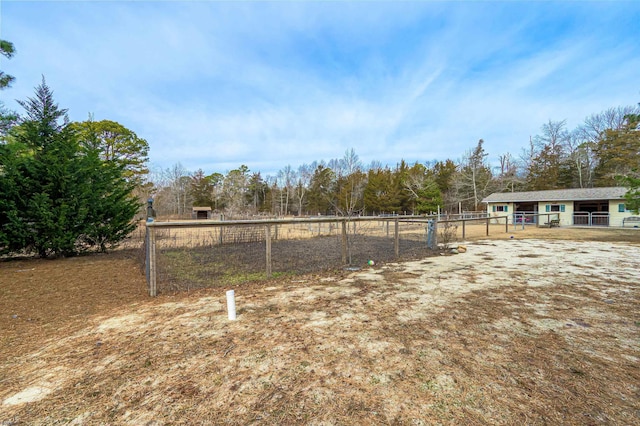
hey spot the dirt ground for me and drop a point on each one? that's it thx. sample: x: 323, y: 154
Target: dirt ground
x: 541, y: 328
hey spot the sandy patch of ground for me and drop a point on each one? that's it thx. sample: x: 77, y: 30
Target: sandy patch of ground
x: 515, y: 331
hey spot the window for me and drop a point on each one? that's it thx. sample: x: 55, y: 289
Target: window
x: 500, y: 208
x: 622, y: 208
x: 554, y: 208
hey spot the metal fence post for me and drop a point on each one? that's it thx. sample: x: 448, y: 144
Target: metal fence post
x: 435, y: 233
x: 432, y: 231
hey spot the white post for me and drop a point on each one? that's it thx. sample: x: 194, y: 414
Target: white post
x: 231, y: 304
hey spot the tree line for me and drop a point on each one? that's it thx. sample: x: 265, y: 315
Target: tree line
x: 602, y: 151
x: 69, y: 187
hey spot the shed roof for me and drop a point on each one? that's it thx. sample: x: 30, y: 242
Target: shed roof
x: 201, y: 209
x: 575, y: 194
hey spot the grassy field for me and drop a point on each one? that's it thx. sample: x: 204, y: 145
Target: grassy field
x: 542, y: 328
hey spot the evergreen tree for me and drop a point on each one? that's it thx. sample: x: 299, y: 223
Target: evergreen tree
x: 257, y: 191
x: 618, y: 152
x: 14, y: 235
x: 632, y: 196
x: 379, y: 194
x: 401, y: 186
x: 7, y: 50
x: 110, y: 204
x: 321, y: 197
x: 59, y: 199
x: 7, y: 118
x: 420, y: 184
x: 550, y: 167
x: 201, y: 189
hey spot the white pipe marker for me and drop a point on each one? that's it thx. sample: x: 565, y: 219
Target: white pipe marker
x: 231, y: 304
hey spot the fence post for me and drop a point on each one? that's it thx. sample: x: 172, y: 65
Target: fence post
x: 463, y: 230
x: 487, y: 226
x: 506, y: 224
x: 151, y: 255
x: 267, y: 230
x: 435, y: 232
x: 344, y: 241
x: 432, y: 232
x: 396, y: 238
x: 147, y: 238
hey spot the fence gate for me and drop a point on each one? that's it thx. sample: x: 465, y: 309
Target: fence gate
x: 591, y: 218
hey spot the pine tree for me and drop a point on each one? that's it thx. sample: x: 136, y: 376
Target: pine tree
x: 60, y: 198
x: 618, y: 152
x: 14, y: 235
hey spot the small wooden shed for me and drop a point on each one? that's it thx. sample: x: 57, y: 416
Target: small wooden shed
x: 201, y: 213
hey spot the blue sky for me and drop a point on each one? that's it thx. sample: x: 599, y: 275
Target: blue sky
x: 214, y: 85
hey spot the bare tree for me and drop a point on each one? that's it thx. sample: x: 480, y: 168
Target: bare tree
x: 548, y: 169
x: 508, y: 176
x: 594, y: 127
x: 528, y: 155
x: 351, y: 182
x: 582, y: 156
x: 178, y: 179
x: 474, y: 179
x: 585, y: 138
x: 554, y: 135
x: 272, y: 183
x: 286, y: 180
x: 305, y: 172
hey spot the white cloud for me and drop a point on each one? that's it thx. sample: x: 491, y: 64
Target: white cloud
x: 216, y: 85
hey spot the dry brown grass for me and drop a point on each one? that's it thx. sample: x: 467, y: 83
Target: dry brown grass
x: 522, y: 331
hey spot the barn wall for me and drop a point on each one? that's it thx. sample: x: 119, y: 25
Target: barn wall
x: 616, y: 216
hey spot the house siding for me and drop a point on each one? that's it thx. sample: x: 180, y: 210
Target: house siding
x: 616, y: 217
x: 565, y: 217
x: 496, y: 214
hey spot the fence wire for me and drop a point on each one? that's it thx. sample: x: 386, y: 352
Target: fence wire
x: 197, y: 254
x: 206, y: 254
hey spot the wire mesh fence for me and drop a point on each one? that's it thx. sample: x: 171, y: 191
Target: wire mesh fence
x: 196, y: 254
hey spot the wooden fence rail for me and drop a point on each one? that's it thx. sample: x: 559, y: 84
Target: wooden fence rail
x: 343, y: 227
